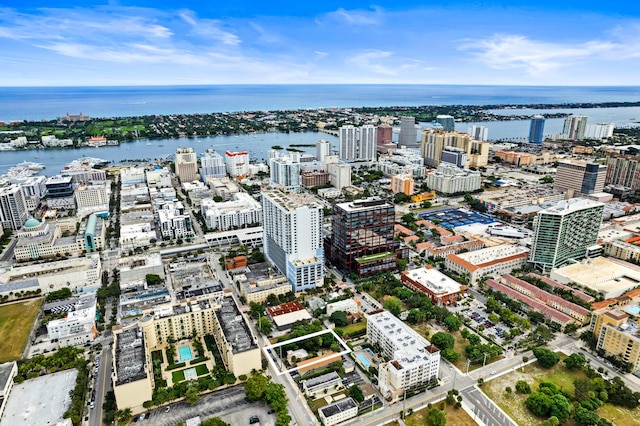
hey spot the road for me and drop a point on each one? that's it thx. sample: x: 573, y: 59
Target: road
x: 485, y: 410
x: 102, y: 385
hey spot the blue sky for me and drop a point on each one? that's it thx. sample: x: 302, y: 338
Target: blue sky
x: 301, y: 42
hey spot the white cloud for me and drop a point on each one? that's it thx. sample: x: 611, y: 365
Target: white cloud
x: 209, y: 28
x: 356, y: 17
x: 373, y: 61
x: 508, y: 51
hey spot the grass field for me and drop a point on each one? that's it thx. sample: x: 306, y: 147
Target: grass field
x: 16, y: 320
x: 513, y: 403
x: 355, y: 328
x: 456, y: 417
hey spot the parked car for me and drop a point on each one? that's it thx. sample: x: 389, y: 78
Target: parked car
x: 254, y: 419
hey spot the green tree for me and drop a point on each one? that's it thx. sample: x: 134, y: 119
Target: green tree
x: 283, y: 419
x: 450, y: 355
x: 551, y: 421
x: 255, y: 386
x: 393, y: 305
x: 153, y: 279
x: 437, y: 417
x: 574, y: 361
x: 214, y: 421
x: 275, y: 396
x: 545, y: 357
x: 443, y: 340
x: 584, y: 417
x: 538, y: 403
x: 264, y: 325
x: 416, y: 316
x: 339, y: 318
x: 523, y: 387
x: 560, y: 407
x: 356, y: 393
x: 453, y: 323
x: 124, y: 415
x: 192, y: 396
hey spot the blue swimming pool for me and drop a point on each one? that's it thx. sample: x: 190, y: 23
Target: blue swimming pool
x: 184, y: 352
x: 363, y: 359
x: 634, y: 310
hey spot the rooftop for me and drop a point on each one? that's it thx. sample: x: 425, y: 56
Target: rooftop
x: 491, y: 255
x: 235, y: 329
x: 130, y: 356
x: 372, y: 203
x: 338, y: 407
x: 433, y: 280
x: 572, y: 205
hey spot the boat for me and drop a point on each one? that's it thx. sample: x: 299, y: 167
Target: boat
x: 148, y: 143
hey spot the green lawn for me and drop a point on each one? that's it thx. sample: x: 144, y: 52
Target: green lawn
x: 177, y: 376
x: 352, y: 329
x: 16, y: 321
x: 201, y: 370
x: 455, y: 417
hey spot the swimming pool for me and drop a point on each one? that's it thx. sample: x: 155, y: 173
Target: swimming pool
x: 184, y: 352
x: 634, y: 310
x: 363, y: 359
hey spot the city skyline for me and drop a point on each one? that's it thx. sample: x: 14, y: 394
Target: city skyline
x: 156, y: 43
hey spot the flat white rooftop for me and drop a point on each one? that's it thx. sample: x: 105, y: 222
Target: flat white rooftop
x: 34, y: 403
x: 434, y: 280
x: 486, y: 255
x: 570, y: 206
x: 610, y: 277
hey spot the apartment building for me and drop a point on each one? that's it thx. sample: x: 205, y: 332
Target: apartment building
x: 490, y: 261
x: 243, y: 210
x: 414, y: 361
x: 186, y: 164
x: 292, y: 226
x: 338, y: 412
x: 580, y: 177
x: 440, y: 289
x: 617, y: 333
x: 450, y: 179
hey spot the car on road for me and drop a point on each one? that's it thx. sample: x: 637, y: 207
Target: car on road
x: 254, y: 419
x: 493, y: 372
x: 166, y: 410
x: 271, y: 411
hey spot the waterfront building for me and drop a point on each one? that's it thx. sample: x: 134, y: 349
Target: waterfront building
x: 449, y: 179
x: 323, y: 148
x: 159, y: 178
x: 357, y: 143
x: 284, y: 174
x: 363, y: 236
x: 490, y: 261
x: 293, y: 237
x: 33, y: 189
x: 414, y: 362
x: 212, y: 165
x: 574, y: 127
x: 237, y: 163
x: 132, y: 176
x: 60, y: 193
x: 564, y: 232
x: 241, y: 211
x: 348, y: 143
x: 479, y: 133
x: 536, y: 130
x: 599, y: 131
x: 408, y: 137
x: 13, y: 207
x: 186, y: 164
x: 447, y: 122
x: 580, y: 177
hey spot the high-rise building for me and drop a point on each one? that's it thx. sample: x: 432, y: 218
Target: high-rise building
x: 362, y: 239
x: 212, y: 165
x: 580, y: 177
x: 447, y: 122
x: 292, y: 226
x: 13, y: 208
x: 348, y: 143
x: 384, y: 134
x: 564, y: 232
x: 455, y: 156
x: 623, y: 170
x: 285, y: 173
x: 599, y: 131
x: 434, y: 141
x: 339, y: 175
x: 186, y: 164
x: 574, y: 127
x: 617, y: 333
x: 536, y: 131
x: 367, y: 143
x: 357, y: 144
x: 479, y: 133
x: 449, y: 179
x: 402, y: 182
x: 323, y: 148
x: 237, y: 163
x: 408, y: 133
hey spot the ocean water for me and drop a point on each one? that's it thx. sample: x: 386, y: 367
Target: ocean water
x: 38, y: 103
x: 46, y: 103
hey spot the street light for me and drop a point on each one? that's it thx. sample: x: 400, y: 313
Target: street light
x: 485, y: 359
x: 468, y: 362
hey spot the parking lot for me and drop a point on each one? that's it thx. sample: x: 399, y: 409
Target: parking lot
x: 228, y: 404
x: 479, y: 317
